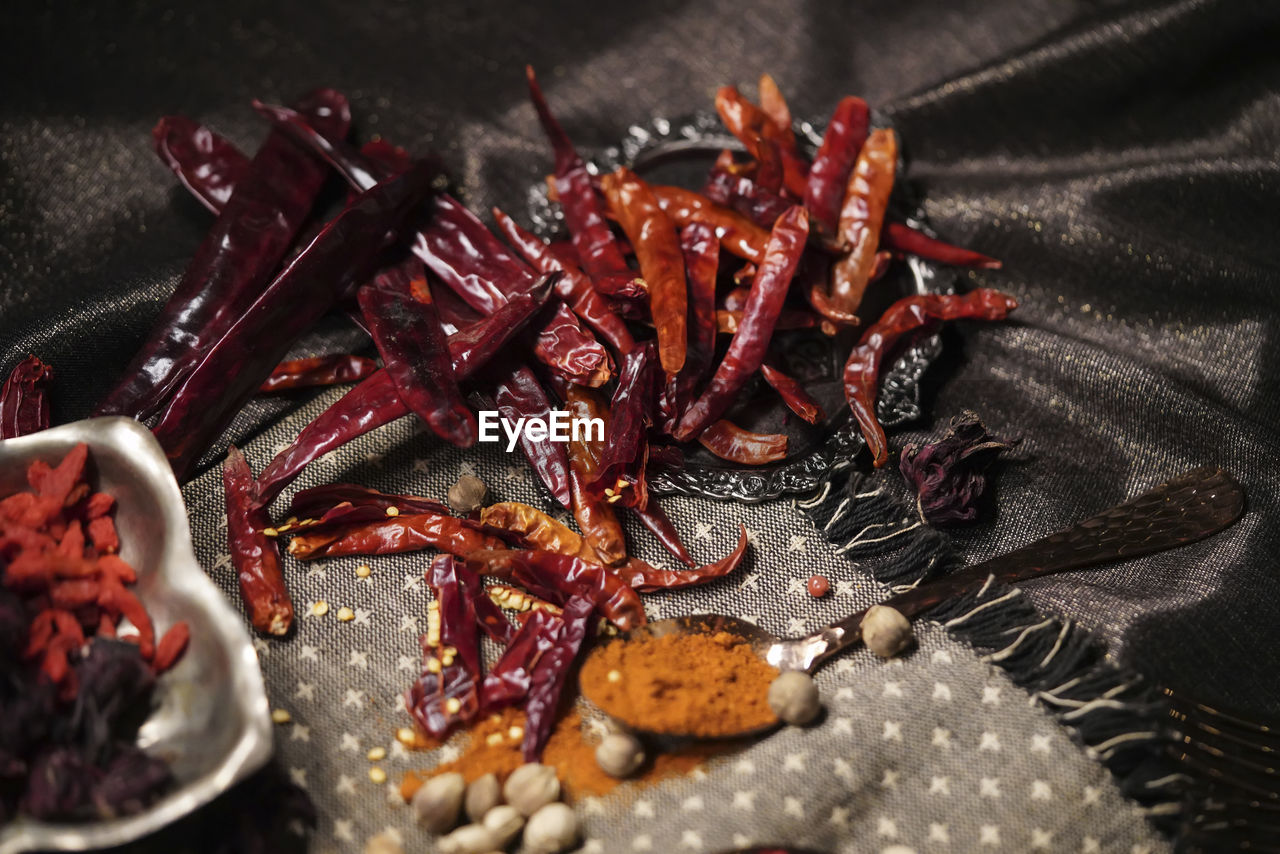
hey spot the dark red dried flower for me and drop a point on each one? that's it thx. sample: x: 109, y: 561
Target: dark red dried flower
x: 950, y: 474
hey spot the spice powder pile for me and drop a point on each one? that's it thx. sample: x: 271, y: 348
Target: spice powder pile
x: 704, y: 685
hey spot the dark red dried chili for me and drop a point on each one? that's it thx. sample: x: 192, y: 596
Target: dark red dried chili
x: 904, y: 238
x: 335, y: 369
x: 318, y: 500
x: 619, y: 475
x: 518, y: 396
x: 557, y: 578
x: 253, y: 553
x: 824, y: 191
x: 793, y: 394
x: 737, y: 234
x: 743, y: 194
x: 747, y: 349
x: 862, y: 370
x: 206, y: 164
x: 233, y: 369
x: 409, y: 532
x: 405, y: 326
x: 24, y: 406
x: 653, y: 517
x: 595, y: 516
x: 508, y: 681
x: 745, y: 121
x: 646, y: 579
x: 232, y: 266
x: 549, y: 674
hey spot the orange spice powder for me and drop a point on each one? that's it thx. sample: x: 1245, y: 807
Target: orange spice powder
x: 491, y: 748
x: 706, y: 685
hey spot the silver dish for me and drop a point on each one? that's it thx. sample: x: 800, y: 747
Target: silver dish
x: 211, y: 721
x: 816, y: 452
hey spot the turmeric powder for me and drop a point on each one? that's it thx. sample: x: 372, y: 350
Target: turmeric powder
x: 706, y: 684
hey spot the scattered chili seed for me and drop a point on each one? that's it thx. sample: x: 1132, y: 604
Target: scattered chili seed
x: 818, y: 586
x: 281, y: 716
x: 515, y: 733
x: 345, y: 614
x: 377, y: 754
x: 377, y: 775
x: 614, y: 676
x: 364, y: 570
x: 320, y: 608
x: 452, y: 705
x: 493, y: 739
x: 406, y: 736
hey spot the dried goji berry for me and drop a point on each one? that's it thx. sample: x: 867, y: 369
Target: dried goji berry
x: 171, y: 647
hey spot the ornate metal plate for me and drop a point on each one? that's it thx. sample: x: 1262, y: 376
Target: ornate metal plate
x: 679, y: 152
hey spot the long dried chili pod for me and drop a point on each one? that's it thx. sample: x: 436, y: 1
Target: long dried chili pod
x: 655, y: 519
x: 745, y: 120
x: 647, y: 579
x: 774, y: 105
x: 620, y: 472
x: 519, y: 396
x: 233, y: 264
x: 24, y: 406
x: 408, y: 532
x: 824, y: 191
x: 319, y: 499
x: 861, y: 217
x: 340, y: 257
x: 593, y: 513
x: 747, y: 349
x: 730, y: 442
x: 538, y: 529
x: 549, y: 675
x: 653, y: 236
x: 570, y: 350
x: 402, y: 318
x: 737, y: 234
x: 583, y: 213
x: 907, y: 315
x: 457, y: 590
x: 904, y: 238
x: 334, y: 369
x: 744, y: 195
x: 701, y: 259
x: 574, y: 287
x: 375, y: 402
x: 253, y: 553
x: 206, y: 164
x: 793, y: 394
x: 557, y: 578
x: 509, y: 679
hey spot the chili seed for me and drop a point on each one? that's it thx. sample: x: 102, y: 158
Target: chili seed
x: 433, y: 665
x: 818, y: 586
x: 614, y: 676
x: 364, y: 570
x: 345, y: 614
x: 377, y: 754
x: 393, y: 511
x: 377, y: 775
x: 452, y: 705
x: 281, y: 716
x: 406, y: 736
x: 515, y: 733
x: 320, y: 608
x: 493, y: 739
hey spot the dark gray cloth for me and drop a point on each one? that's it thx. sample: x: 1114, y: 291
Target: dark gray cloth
x: 1120, y: 158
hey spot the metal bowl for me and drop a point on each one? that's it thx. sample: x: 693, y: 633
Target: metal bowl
x: 210, y: 722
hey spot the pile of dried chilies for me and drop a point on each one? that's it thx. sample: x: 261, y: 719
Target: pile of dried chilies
x: 641, y: 318
x: 78, y: 654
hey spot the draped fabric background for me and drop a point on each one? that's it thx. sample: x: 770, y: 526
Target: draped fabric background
x: 1121, y: 158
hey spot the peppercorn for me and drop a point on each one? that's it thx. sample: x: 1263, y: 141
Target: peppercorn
x: 550, y: 830
x: 468, y: 839
x: 483, y: 794
x: 885, y: 631
x: 468, y: 494
x: 793, y: 696
x: 817, y: 586
x: 530, y: 787
x: 504, y: 822
x: 620, y: 754
x: 439, y: 801
x: 382, y: 844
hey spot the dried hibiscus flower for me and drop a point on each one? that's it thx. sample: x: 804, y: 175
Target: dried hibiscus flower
x: 949, y: 475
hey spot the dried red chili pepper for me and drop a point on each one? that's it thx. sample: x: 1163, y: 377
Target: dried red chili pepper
x: 206, y: 164
x: 595, y: 516
x: 254, y: 554
x: 729, y: 322
x: 409, y: 532
x: 24, y: 406
x: 861, y: 216
x: 557, y: 578
x: 730, y: 442
x: 456, y: 590
x: 744, y: 195
x: 335, y: 369
x: 549, y: 674
x: 570, y: 349
x: 862, y: 370
x: 318, y: 500
x: 233, y: 369
x: 774, y: 105
x: 597, y: 249
x: 824, y: 191
x: 232, y: 266
x: 444, y: 696
x: 518, y: 395
x: 653, y: 236
x: 508, y: 681
x: 406, y: 329
x: 647, y: 579
x: 745, y: 120
x: 653, y: 517
x: 793, y: 394
x: 737, y: 234
x: 620, y: 472
x: 904, y: 238
x: 574, y: 286
x: 747, y: 349
x: 538, y: 529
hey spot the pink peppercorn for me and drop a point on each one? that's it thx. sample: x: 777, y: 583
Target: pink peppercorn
x: 818, y: 586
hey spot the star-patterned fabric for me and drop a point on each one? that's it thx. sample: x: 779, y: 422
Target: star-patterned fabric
x: 936, y: 751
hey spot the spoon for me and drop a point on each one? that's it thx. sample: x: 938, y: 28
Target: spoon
x: 1190, y: 507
